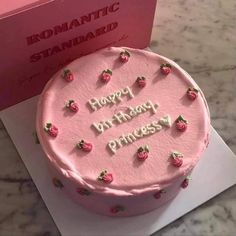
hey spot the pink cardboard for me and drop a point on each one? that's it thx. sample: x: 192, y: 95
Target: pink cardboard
x: 39, y: 37
x: 9, y: 7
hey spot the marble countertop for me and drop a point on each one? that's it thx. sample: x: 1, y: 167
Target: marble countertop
x: 200, y: 35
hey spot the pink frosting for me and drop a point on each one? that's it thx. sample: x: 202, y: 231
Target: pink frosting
x: 130, y: 176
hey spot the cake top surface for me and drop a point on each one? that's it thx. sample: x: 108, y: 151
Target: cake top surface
x: 108, y: 130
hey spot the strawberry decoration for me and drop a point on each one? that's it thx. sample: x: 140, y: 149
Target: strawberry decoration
x: 51, y: 129
x: 72, y: 105
x: 142, y: 153
x: 165, y: 68
x: 83, y: 191
x: 67, y: 75
x: 185, y: 183
x: 85, y: 146
x: 124, y: 56
x: 176, y: 159
x: 105, y: 177
x: 116, y: 209
x: 181, y: 123
x: 158, y: 194
x: 106, y: 75
x: 141, y: 82
x: 57, y: 183
x: 192, y: 93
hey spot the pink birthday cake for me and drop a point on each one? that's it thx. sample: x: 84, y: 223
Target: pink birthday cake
x: 122, y: 129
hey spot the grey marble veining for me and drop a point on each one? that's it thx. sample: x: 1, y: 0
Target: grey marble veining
x: 200, y: 35
x: 22, y: 211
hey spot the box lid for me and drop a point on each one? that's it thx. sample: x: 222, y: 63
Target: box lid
x: 11, y: 7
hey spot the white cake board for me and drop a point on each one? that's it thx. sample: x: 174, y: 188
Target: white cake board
x: 215, y: 172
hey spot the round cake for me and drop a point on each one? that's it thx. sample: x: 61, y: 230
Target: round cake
x: 122, y: 129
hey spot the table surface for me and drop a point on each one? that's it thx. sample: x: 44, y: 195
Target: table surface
x: 200, y: 35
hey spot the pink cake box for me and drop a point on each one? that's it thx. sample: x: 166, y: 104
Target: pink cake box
x: 38, y: 37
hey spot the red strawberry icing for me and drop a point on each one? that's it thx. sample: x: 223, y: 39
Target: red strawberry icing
x: 142, y: 153
x: 67, y: 75
x: 165, y: 68
x: 185, y: 183
x: 116, y: 209
x: 51, y: 129
x: 85, y: 146
x: 106, y: 75
x: 124, y: 56
x: 159, y: 193
x: 192, y: 93
x: 141, y: 82
x: 181, y: 123
x: 176, y: 159
x: 72, y: 105
x: 105, y: 177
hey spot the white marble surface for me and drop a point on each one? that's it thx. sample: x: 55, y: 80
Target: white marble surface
x: 200, y: 35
